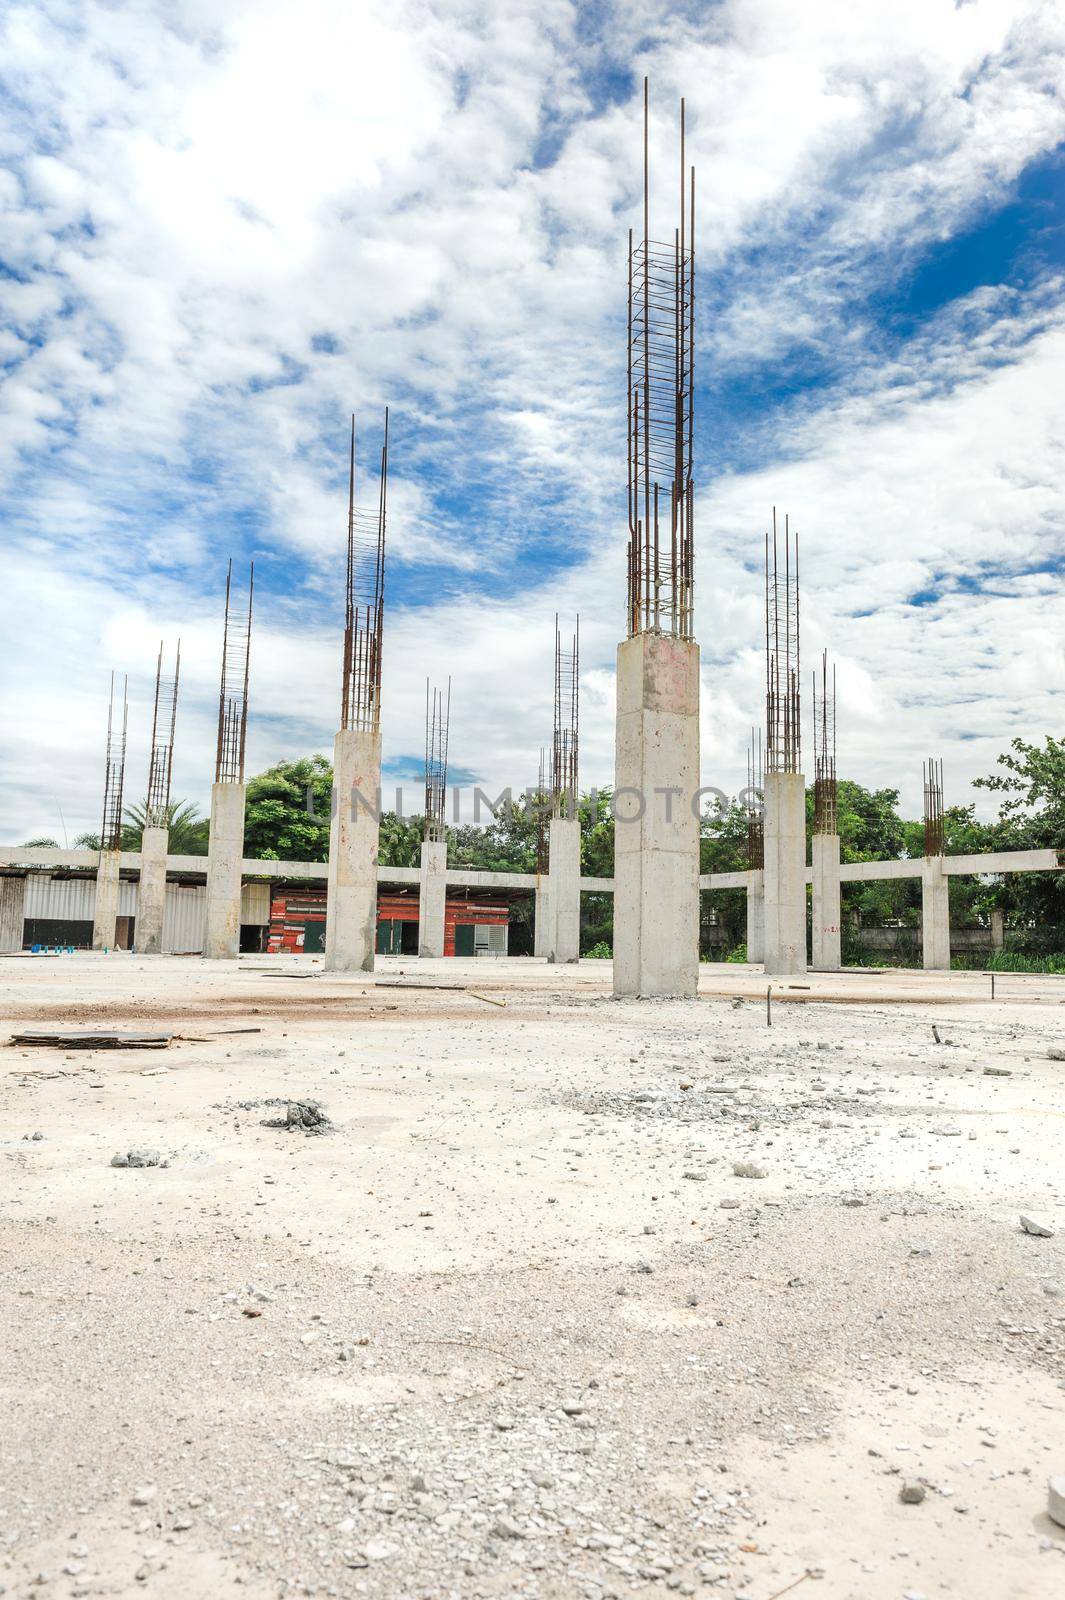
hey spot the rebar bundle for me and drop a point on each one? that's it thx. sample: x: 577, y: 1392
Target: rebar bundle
x: 826, y: 810
x: 233, y: 692
x: 661, y: 414
x: 114, y: 772
x: 564, y: 755
x: 934, y: 841
x: 755, y: 803
x: 783, y: 732
x: 437, y: 718
x: 164, y: 719
x: 364, y: 612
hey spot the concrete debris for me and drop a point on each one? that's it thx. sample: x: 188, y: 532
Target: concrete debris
x: 1056, y: 1052
x: 306, y: 1116
x: 748, y: 1169
x: 139, y: 1158
x: 1037, y: 1226
x: 1056, y: 1501
x: 911, y: 1494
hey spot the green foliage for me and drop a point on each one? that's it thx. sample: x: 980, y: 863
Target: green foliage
x: 86, y: 841
x: 738, y: 954
x: 600, y: 951
x: 39, y: 844
x: 188, y: 829
x: 1014, y: 961
x: 277, y: 823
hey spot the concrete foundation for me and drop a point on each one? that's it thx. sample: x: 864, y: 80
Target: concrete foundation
x: 12, y: 913
x: 105, y: 913
x: 785, y: 872
x: 564, y: 837
x: 351, y: 906
x: 542, y: 917
x: 756, y: 916
x: 935, y: 915
x: 221, y: 941
x: 827, y: 924
x: 656, y: 836
x: 151, y: 892
x: 432, y: 898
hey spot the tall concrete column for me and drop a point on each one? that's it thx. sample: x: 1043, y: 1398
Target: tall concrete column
x: 935, y: 915
x: 105, y: 913
x: 351, y: 906
x: 564, y: 843
x: 432, y: 898
x: 542, y: 930
x: 826, y: 932
x: 785, y: 872
x: 998, y: 930
x: 151, y: 892
x: 12, y: 913
x: 656, y: 834
x: 756, y: 916
x: 225, y: 854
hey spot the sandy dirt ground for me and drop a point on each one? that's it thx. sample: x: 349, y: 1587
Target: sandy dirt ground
x: 515, y: 1325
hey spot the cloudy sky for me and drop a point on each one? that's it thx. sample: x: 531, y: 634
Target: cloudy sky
x: 224, y: 226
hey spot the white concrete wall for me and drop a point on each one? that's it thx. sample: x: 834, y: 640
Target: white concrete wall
x: 151, y: 893
x: 564, y: 843
x: 935, y: 915
x: 105, y: 909
x: 224, y: 862
x: 351, y: 905
x: 755, y: 916
x: 785, y: 872
x: 432, y: 898
x: 656, y: 838
x: 826, y: 929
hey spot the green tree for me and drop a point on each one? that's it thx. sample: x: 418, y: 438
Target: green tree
x: 286, y: 816
x: 39, y: 844
x: 188, y: 829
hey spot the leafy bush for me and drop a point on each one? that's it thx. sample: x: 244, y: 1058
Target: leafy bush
x: 739, y: 954
x: 600, y: 952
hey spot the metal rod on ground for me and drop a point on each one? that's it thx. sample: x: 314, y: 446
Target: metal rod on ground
x: 769, y: 1006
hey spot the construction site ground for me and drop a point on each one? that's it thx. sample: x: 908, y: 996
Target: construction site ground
x: 511, y: 1322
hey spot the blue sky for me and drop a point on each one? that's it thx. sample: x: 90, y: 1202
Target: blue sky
x: 224, y: 227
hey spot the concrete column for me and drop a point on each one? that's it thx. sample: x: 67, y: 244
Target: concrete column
x: 756, y: 916
x: 106, y: 910
x: 656, y: 835
x: 151, y: 892
x: 351, y: 906
x: 564, y: 841
x: 998, y: 930
x: 542, y: 916
x: 785, y: 872
x: 935, y: 915
x: 432, y: 898
x: 221, y: 940
x: 827, y: 926
x: 12, y: 913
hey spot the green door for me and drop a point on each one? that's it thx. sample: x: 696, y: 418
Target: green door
x: 313, y: 937
x: 389, y: 937
x: 464, y: 938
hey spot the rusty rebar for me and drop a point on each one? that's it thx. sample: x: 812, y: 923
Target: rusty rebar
x: 661, y: 414
x: 164, y: 722
x: 364, y: 604
x: 437, y: 722
x: 114, y: 771
x: 755, y: 803
x: 826, y: 797
x: 233, y: 689
x: 934, y: 837
x: 565, y: 749
x: 783, y: 738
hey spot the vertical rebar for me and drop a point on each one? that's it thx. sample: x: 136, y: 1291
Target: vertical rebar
x: 565, y: 749
x: 233, y: 689
x: 437, y: 723
x: 783, y: 751
x: 164, y: 721
x: 114, y: 771
x: 364, y: 600
x: 826, y: 808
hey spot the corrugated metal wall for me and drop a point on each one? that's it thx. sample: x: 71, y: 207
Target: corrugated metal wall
x: 74, y: 900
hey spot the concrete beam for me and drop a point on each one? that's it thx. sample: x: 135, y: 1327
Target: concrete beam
x: 656, y: 837
x: 151, y: 892
x: 826, y: 954
x: 105, y: 913
x: 351, y: 893
x: 785, y: 872
x: 221, y: 938
x: 542, y: 917
x: 564, y: 843
x: 432, y: 898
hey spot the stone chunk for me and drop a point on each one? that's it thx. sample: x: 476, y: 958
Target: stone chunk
x: 1037, y: 1226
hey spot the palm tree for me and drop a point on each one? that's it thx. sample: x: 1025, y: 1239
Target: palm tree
x: 39, y: 844
x: 188, y: 829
